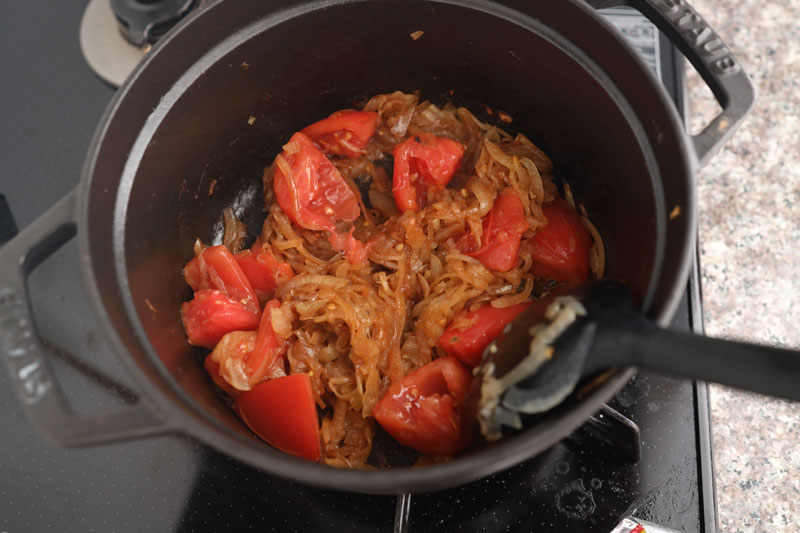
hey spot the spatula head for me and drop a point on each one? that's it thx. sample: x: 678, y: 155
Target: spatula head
x: 543, y: 354
x: 524, y: 351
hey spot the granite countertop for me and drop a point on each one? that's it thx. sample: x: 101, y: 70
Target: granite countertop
x: 749, y: 197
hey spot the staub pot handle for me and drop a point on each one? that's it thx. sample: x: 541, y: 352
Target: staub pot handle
x: 31, y: 375
x: 712, y: 59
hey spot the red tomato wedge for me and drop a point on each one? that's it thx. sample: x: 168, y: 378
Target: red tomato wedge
x: 282, y: 412
x: 265, y: 360
x: 345, y: 133
x: 245, y: 358
x: 560, y: 250
x: 217, y: 268
x: 485, y: 324
x: 313, y: 194
x: 263, y: 271
x: 310, y: 189
x: 502, y: 232
x: 211, y: 314
x: 421, y: 162
x: 424, y: 411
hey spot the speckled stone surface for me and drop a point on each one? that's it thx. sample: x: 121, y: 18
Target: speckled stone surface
x: 749, y: 199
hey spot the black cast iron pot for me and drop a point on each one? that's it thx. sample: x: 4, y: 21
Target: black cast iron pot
x: 183, y: 120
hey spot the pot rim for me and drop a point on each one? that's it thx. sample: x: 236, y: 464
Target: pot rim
x: 182, y: 414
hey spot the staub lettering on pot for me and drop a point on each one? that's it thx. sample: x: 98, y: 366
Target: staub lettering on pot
x: 697, y: 31
x: 16, y: 344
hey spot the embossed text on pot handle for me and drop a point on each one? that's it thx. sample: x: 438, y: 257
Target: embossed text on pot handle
x: 20, y: 348
x: 712, y: 59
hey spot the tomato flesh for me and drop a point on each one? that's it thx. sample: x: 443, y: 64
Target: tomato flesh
x: 421, y: 162
x: 502, y: 232
x: 560, y: 250
x: 229, y: 355
x: 344, y: 133
x: 313, y: 194
x: 245, y: 358
x: 484, y: 325
x: 265, y: 360
x: 263, y: 271
x: 282, y: 412
x: 211, y: 314
x: 217, y: 268
x: 424, y: 411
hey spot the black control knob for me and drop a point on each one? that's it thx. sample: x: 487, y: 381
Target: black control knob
x: 142, y: 22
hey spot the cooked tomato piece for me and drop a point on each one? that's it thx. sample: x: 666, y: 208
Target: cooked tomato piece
x: 421, y: 162
x: 310, y: 189
x: 211, y: 314
x: 470, y: 332
x: 313, y: 194
x: 344, y: 133
x: 282, y: 412
x: 195, y: 274
x: 266, y: 358
x: 245, y: 358
x: 424, y: 411
x: 235, y: 342
x: 560, y: 250
x: 263, y: 271
x: 217, y: 268
x: 502, y: 232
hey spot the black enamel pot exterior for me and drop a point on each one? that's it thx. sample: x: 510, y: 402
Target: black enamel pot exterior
x: 185, y: 119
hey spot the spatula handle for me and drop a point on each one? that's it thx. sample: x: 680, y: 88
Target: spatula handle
x: 762, y: 369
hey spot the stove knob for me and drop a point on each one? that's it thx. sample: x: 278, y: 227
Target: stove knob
x: 142, y: 22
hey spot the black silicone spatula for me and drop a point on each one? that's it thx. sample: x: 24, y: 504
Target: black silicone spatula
x: 537, y: 362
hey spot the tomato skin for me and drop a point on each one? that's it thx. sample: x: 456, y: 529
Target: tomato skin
x: 502, y: 232
x: 282, y: 412
x: 487, y: 322
x: 424, y: 411
x: 307, y: 183
x: 421, y: 162
x: 265, y: 360
x: 195, y: 274
x: 560, y: 250
x: 313, y: 194
x: 344, y: 133
x: 217, y: 268
x: 263, y: 271
x: 211, y: 314
x: 242, y: 359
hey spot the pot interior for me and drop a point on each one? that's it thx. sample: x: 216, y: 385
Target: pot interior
x: 207, y: 140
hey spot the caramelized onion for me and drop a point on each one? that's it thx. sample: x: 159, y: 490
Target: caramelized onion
x: 235, y: 231
x: 356, y: 329
x: 280, y: 323
x: 383, y: 202
x: 485, y: 196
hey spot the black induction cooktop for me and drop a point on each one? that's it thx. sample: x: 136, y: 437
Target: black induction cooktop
x: 50, y: 103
